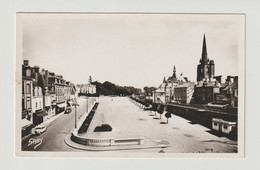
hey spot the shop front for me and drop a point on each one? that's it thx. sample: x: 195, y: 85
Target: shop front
x: 60, y: 108
x: 38, y: 117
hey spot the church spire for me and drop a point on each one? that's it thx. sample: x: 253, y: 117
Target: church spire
x: 174, y: 73
x: 204, y: 50
x: 164, y: 81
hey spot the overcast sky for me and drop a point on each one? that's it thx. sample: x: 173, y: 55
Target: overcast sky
x: 134, y: 50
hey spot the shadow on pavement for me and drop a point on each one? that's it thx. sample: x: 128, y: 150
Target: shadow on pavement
x: 163, y: 123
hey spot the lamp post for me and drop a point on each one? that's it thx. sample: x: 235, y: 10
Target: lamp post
x: 87, y: 100
x: 75, y: 104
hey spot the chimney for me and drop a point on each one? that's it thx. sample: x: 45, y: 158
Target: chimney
x: 26, y: 63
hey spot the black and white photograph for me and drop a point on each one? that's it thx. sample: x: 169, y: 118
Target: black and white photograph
x: 130, y: 85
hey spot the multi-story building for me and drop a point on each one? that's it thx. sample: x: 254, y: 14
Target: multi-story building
x: 48, y: 80
x: 183, y: 92
x: 165, y: 93
x: 39, y: 114
x: 87, y: 89
x: 229, y: 92
x: 205, y: 92
x: 59, y: 88
x: 27, y: 93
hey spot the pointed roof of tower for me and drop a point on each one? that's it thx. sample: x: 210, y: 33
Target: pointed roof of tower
x: 174, y: 73
x: 204, y: 50
x: 164, y: 81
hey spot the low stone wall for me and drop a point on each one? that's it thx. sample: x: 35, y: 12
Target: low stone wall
x: 106, y: 142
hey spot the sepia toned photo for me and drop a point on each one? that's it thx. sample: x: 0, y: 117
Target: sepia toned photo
x: 130, y: 85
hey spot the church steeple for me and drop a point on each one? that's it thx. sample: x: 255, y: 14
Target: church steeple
x: 164, y: 81
x: 206, y: 68
x: 204, y: 54
x: 174, y: 73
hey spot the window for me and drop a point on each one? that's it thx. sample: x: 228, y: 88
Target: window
x: 28, y: 88
x: 215, y: 124
x: 28, y: 102
x: 36, y: 103
x: 35, y: 91
x: 28, y: 73
x: 225, y: 126
x: 40, y: 105
x: 39, y: 91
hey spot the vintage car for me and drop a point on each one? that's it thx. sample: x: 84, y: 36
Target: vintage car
x: 39, y: 129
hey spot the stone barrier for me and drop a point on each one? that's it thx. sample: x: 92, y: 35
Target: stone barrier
x: 106, y: 141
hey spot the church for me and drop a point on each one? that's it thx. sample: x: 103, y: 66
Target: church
x: 207, y: 86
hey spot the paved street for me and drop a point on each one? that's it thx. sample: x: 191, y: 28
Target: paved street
x: 53, y: 138
x: 130, y: 121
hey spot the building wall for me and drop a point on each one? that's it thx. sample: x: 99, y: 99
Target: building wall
x: 205, y: 94
x: 37, y: 99
x: 27, y: 92
x: 87, y: 88
x: 59, y: 91
x: 159, y: 97
x: 180, y: 94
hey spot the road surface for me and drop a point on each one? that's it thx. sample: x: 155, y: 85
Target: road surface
x: 53, y: 138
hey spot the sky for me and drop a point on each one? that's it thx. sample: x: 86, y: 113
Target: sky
x: 129, y: 49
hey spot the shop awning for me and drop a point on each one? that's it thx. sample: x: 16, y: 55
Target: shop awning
x: 70, y: 103
x: 61, y: 105
x: 25, y: 123
x: 41, y: 113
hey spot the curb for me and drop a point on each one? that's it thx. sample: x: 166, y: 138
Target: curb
x: 148, y: 145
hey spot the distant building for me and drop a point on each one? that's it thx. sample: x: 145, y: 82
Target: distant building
x: 165, y: 93
x: 183, y: 92
x: 229, y: 92
x: 205, y: 92
x: 87, y: 89
x: 159, y: 95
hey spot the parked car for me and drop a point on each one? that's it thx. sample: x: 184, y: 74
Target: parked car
x: 68, y: 110
x: 39, y: 129
x: 103, y: 128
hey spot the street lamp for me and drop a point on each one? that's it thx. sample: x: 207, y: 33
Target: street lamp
x: 75, y: 104
x: 87, y: 100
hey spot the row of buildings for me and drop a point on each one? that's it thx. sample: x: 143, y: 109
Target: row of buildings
x: 208, y: 88
x: 44, y: 95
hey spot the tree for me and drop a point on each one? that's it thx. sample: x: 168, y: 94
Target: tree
x: 161, y: 109
x: 168, y: 115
